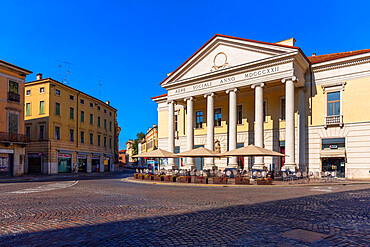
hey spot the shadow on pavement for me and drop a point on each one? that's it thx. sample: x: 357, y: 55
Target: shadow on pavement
x: 344, y: 216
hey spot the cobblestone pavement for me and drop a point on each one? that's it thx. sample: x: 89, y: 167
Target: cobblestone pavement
x: 107, y: 211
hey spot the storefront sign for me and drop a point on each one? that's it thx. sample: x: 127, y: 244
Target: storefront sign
x: 64, y: 155
x: 79, y: 156
x: 226, y: 80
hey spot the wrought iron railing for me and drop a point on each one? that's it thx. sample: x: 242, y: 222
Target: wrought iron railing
x: 334, y: 120
x: 14, y: 97
x: 11, y: 137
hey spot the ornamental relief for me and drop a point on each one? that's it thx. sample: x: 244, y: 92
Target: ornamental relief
x: 220, y: 62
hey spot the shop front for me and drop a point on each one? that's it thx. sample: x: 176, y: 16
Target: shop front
x: 95, y: 163
x: 64, y: 162
x: 333, y: 156
x: 6, y: 161
x: 82, y: 162
x: 34, y: 162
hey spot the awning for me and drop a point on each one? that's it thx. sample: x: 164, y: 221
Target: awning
x: 336, y: 153
x: 65, y: 151
x: 83, y: 153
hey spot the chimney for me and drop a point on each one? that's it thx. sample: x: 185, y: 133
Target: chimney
x: 39, y: 76
x: 107, y: 102
x: 313, y: 54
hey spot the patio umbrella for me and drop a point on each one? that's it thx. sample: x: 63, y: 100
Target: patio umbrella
x: 199, y: 152
x: 252, y: 150
x: 157, y: 153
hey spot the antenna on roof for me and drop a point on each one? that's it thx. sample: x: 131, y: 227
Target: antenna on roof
x: 65, y: 78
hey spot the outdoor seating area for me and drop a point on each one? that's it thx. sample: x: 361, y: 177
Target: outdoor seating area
x: 311, y: 177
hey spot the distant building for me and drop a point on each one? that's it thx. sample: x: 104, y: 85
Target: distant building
x: 129, y: 151
x: 12, y: 134
x: 69, y: 130
x: 122, y: 157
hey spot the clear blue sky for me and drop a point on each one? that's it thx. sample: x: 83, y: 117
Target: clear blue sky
x: 129, y: 46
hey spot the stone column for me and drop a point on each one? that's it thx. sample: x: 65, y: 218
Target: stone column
x: 190, y: 130
x: 302, y: 128
x: 289, y: 124
x: 171, y: 133
x: 259, y: 121
x: 232, y: 125
x: 209, y: 162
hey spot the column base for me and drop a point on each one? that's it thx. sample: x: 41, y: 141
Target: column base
x: 290, y: 167
x: 258, y: 167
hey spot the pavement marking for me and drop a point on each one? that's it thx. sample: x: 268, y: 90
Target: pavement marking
x: 48, y: 187
x: 327, y: 189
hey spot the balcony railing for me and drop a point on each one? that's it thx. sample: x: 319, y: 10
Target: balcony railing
x: 11, y: 137
x: 334, y: 120
x: 14, y: 97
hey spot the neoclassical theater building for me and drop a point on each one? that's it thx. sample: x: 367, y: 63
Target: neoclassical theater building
x: 233, y: 92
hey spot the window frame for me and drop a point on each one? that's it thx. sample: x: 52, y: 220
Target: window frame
x: 18, y: 87
x: 55, y: 92
x: 43, y: 107
x: 91, y: 119
x: 196, y: 120
x: 30, y: 113
x: 71, y: 134
x: 42, y: 90
x: 43, y: 132
x: 214, y: 111
x: 28, y: 90
x: 333, y: 102
x: 55, y: 133
x: 91, y: 136
x: 237, y: 114
x: 82, y: 137
x: 82, y: 116
x: 265, y: 110
x: 282, y: 109
x: 57, y: 113
x: 71, y: 113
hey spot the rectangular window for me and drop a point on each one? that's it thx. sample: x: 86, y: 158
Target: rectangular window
x: 28, y: 132
x: 105, y: 123
x: 105, y: 141
x: 42, y: 89
x: 176, y: 121
x: 82, y: 101
x: 91, y: 104
x: 333, y: 143
x: 82, y: 116
x: 282, y: 109
x: 42, y: 130
x: 28, y: 109
x: 57, y: 109
x: 110, y: 113
x: 105, y: 111
x: 57, y: 92
x: 110, y: 142
x: 57, y: 132
x: 28, y: 92
x: 91, y: 138
x: 91, y: 119
x: 14, y: 87
x: 13, y: 124
x: 71, y: 97
x: 98, y: 108
x: 218, y: 117
x: 334, y: 104
x: 71, y: 113
x: 110, y: 126
x: 82, y: 137
x: 42, y: 111
x: 265, y: 110
x: 98, y: 121
x: 240, y: 114
x: 199, y: 119
x: 98, y: 140
x: 71, y: 135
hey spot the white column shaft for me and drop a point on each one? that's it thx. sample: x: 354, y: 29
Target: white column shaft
x: 301, y: 128
x: 259, y: 121
x: 289, y: 124
x: 210, y: 127
x: 171, y: 132
x: 190, y: 129
x: 232, y: 126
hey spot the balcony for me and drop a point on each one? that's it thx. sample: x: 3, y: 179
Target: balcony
x: 14, y: 97
x: 13, y: 138
x: 336, y: 120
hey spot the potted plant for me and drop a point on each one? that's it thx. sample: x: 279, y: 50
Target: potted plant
x: 220, y: 180
x: 242, y: 180
x: 136, y: 175
x: 264, y: 181
x: 158, y: 177
x: 201, y: 180
x: 169, y: 178
x: 149, y: 177
x: 184, y: 179
x: 140, y: 176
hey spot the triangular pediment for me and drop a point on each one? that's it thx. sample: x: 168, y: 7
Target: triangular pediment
x: 223, y: 52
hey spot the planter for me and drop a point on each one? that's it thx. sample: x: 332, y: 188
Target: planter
x: 183, y: 179
x: 139, y: 176
x: 158, y: 178
x: 264, y: 181
x: 149, y: 177
x: 242, y: 180
x: 169, y: 178
x: 136, y: 175
x: 219, y: 180
x: 201, y: 180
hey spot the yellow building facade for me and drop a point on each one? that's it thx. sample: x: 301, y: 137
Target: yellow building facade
x: 69, y: 131
x: 234, y: 92
x: 12, y: 137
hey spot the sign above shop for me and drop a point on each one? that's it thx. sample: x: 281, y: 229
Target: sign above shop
x: 64, y: 155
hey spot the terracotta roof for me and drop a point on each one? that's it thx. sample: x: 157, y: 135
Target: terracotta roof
x: 160, y: 96
x: 231, y: 37
x: 328, y: 57
x: 15, y: 66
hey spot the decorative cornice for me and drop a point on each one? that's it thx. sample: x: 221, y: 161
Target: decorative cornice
x: 341, y: 65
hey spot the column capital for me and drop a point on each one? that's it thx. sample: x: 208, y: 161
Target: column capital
x: 189, y: 98
x: 291, y: 78
x: 209, y: 94
x: 257, y: 85
x: 171, y: 102
x: 232, y: 90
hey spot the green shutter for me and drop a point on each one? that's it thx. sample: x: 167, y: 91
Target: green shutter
x: 42, y: 107
x: 28, y: 109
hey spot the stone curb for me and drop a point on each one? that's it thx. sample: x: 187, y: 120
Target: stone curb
x: 132, y: 180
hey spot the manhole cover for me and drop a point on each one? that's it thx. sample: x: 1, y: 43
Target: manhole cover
x: 304, y: 235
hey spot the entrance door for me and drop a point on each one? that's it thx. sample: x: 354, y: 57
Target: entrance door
x: 334, y: 164
x: 95, y: 165
x: 5, y: 165
x: 34, y: 164
x: 82, y: 165
x: 106, y: 165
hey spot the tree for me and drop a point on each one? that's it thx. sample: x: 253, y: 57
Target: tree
x: 139, y: 137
